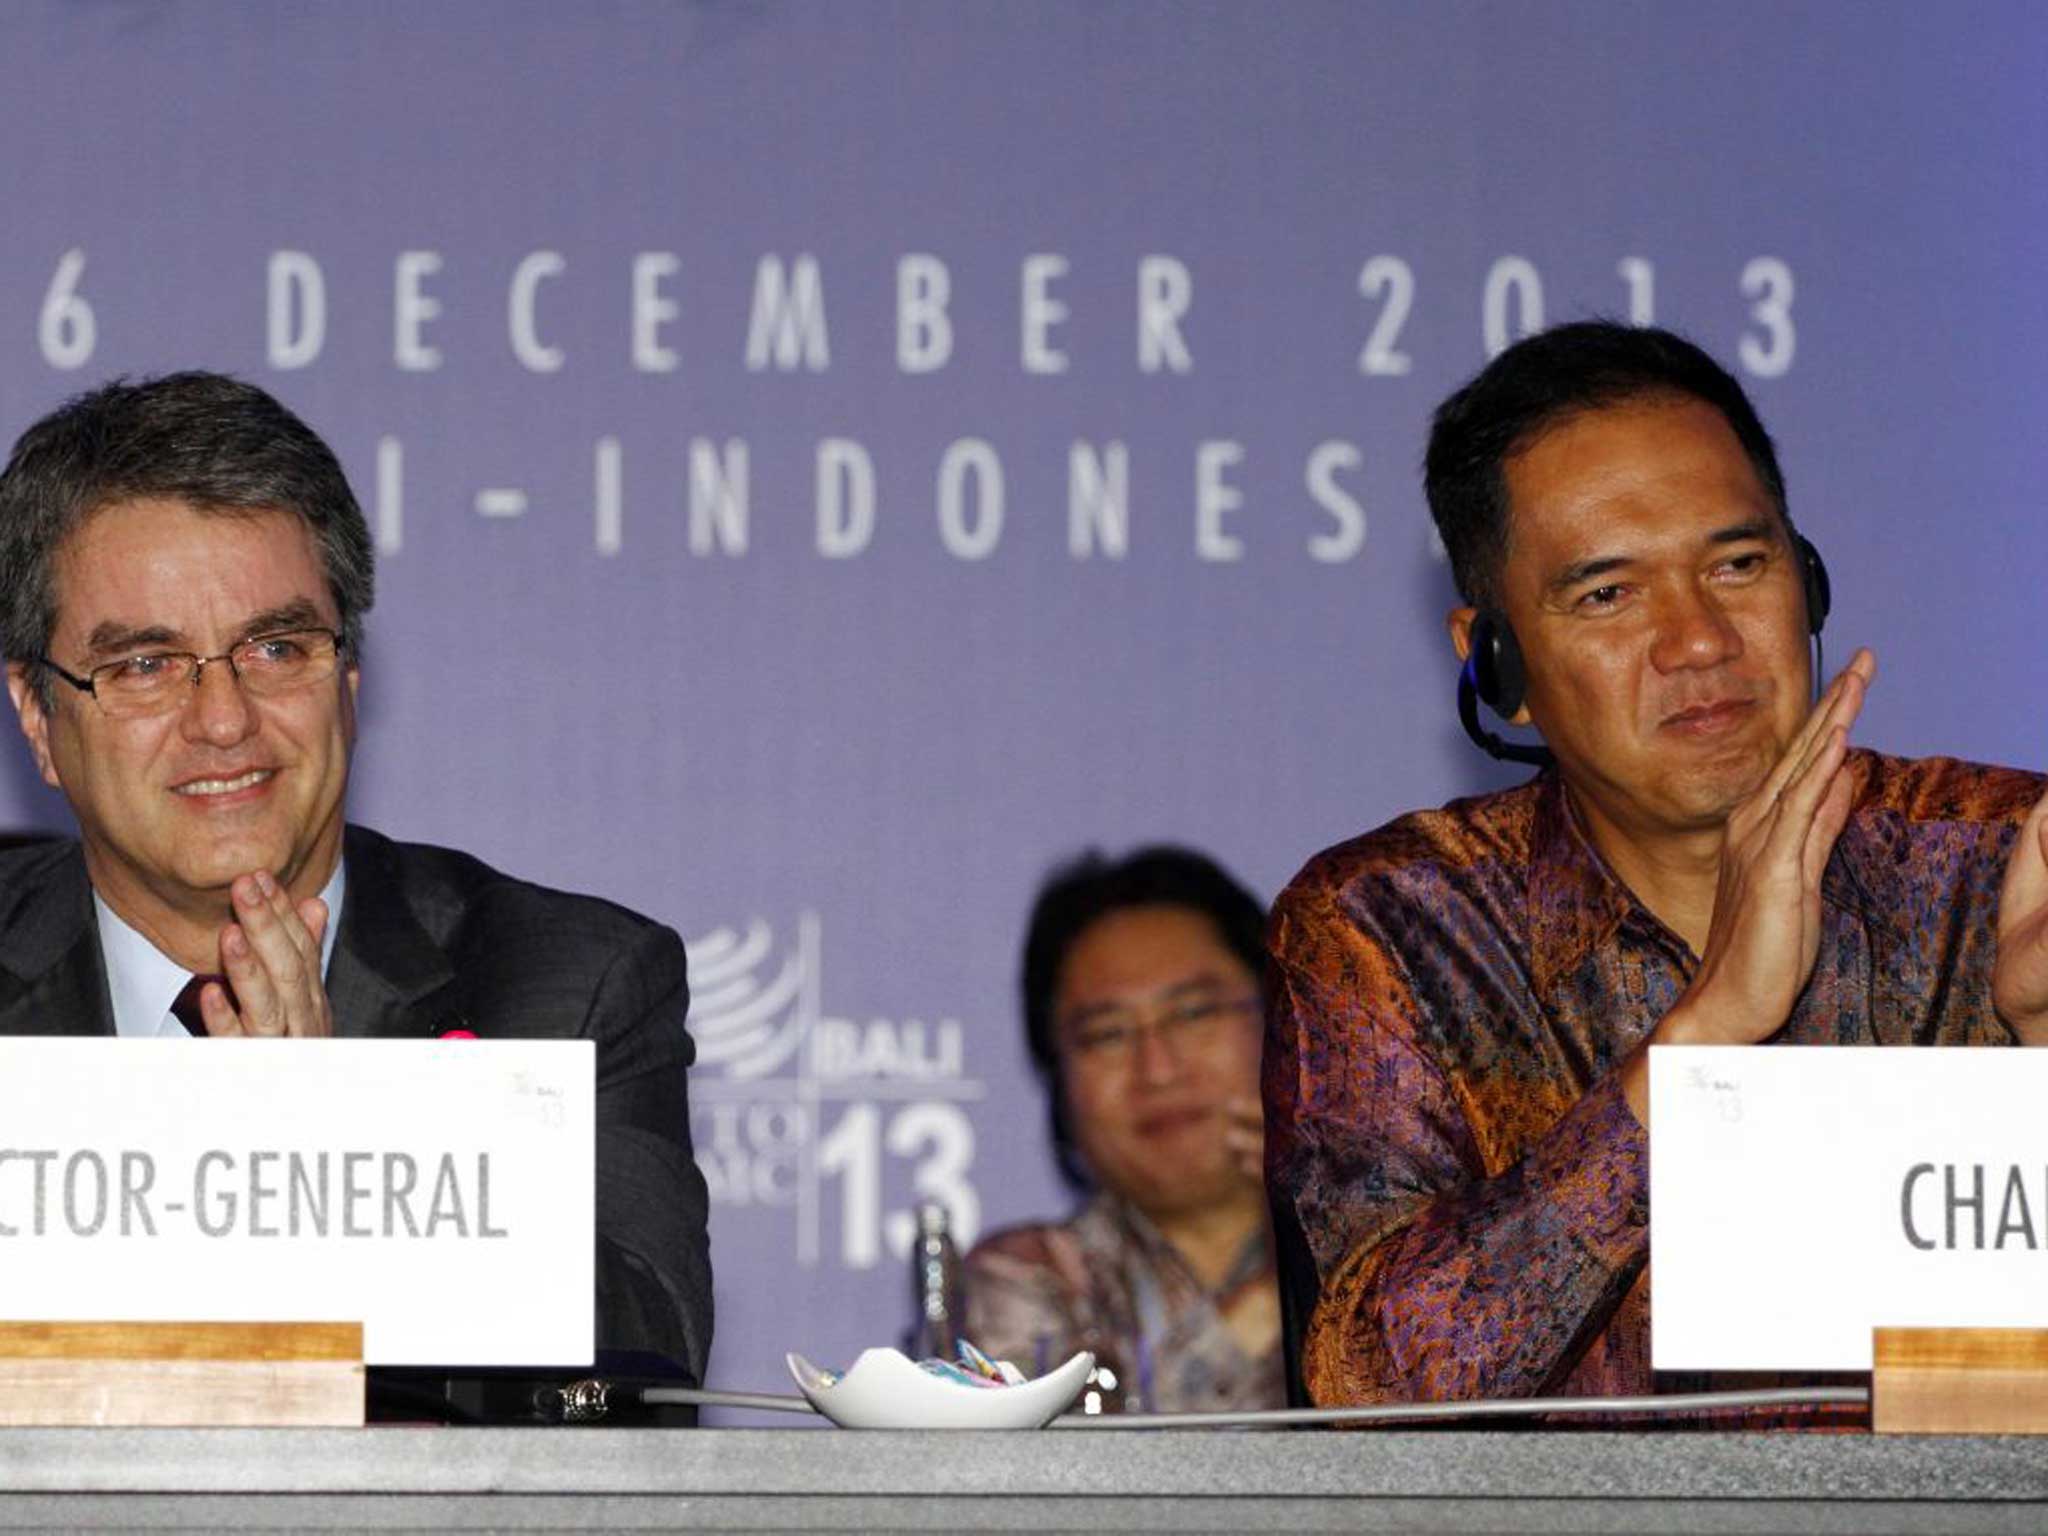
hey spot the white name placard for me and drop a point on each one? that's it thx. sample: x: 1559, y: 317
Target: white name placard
x: 438, y: 1191
x: 1802, y: 1196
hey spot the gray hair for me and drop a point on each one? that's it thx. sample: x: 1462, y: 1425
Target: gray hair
x: 210, y: 441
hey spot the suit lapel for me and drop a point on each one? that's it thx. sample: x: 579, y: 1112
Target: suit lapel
x: 52, y: 980
x: 388, y: 978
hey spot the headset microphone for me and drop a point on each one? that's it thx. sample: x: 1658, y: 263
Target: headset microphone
x: 1494, y: 671
x: 1494, y: 746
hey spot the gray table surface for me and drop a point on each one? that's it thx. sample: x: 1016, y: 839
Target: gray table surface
x: 802, y: 1479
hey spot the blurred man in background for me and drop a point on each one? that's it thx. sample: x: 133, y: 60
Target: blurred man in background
x: 1141, y: 994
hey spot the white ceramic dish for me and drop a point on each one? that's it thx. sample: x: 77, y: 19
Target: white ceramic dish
x: 886, y: 1389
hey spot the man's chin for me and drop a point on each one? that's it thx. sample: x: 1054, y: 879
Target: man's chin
x: 1186, y: 1192
x: 210, y: 875
x: 1707, y: 792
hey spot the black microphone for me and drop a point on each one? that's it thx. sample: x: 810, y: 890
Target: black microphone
x: 1493, y: 746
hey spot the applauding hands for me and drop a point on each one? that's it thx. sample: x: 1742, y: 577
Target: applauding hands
x: 270, y: 955
x: 1766, y: 929
x: 1767, y: 906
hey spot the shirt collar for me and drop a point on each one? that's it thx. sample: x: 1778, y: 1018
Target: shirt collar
x: 1577, y: 902
x: 143, y: 981
x: 1254, y: 1258
x: 1867, y: 873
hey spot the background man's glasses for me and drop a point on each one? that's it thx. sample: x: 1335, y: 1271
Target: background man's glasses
x: 156, y: 682
x: 1111, y: 1038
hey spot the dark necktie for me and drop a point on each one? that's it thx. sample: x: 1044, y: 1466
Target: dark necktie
x: 185, y: 1007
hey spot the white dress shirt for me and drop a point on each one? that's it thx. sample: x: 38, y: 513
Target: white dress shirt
x: 143, y: 981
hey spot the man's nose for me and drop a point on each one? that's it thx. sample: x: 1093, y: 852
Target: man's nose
x: 218, y: 710
x: 1693, y: 630
x: 1157, y: 1059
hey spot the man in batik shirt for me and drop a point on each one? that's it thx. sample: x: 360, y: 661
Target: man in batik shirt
x: 1461, y: 1001
x: 1141, y: 1009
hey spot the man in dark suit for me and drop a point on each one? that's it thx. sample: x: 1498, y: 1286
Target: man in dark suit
x: 183, y: 578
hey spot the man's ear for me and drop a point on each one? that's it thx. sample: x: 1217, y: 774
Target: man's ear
x: 35, y: 719
x: 1459, y: 622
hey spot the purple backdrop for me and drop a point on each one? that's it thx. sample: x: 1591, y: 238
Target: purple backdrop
x: 586, y: 295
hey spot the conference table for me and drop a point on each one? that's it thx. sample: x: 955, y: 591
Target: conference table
x: 815, y: 1479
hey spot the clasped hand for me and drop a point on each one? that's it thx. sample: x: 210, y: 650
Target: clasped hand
x: 1767, y: 905
x: 2019, y: 976
x: 270, y: 955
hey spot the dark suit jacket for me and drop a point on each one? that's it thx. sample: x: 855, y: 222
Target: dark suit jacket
x: 432, y: 940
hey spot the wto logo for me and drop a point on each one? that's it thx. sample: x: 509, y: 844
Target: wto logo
x: 840, y: 1121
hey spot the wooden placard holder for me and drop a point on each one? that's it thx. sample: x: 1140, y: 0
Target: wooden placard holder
x: 1959, y: 1381
x: 165, y: 1374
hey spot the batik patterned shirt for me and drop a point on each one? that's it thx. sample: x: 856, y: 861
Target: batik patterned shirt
x: 1107, y: 1281
x: 1447, y: 1141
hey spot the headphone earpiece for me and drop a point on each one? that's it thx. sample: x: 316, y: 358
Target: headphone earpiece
x: 1495, y: 663
x: 1813, y: 578
x: 1494, y: 672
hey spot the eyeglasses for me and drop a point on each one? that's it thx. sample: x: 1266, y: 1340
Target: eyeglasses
x: 1110, y: 1038
x: 154, y: 682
